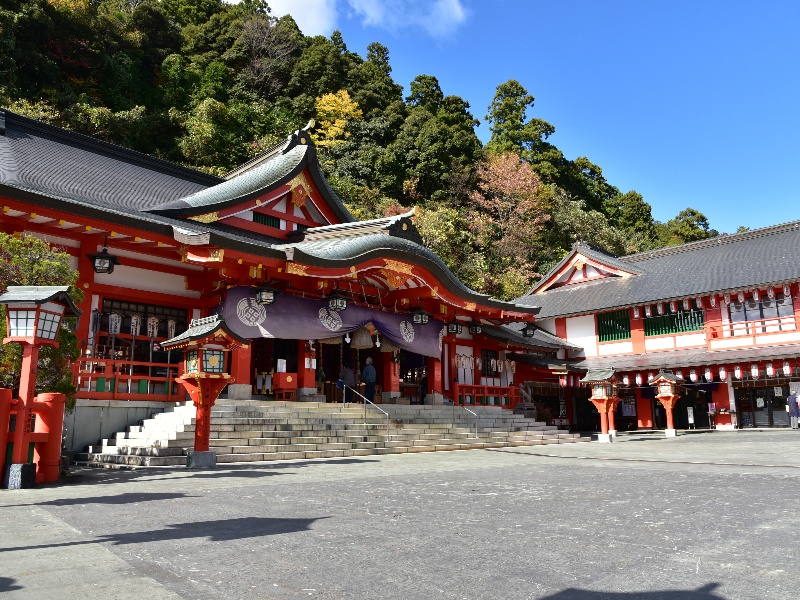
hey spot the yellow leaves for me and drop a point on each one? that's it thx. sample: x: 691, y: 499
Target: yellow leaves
x: 333, y: 113
x: 70, y: 4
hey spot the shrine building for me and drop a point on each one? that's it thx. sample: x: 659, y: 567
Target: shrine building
x: 720, y: 314
x: 273, y: 250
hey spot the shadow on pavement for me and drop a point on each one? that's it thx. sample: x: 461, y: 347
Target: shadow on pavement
x: 7, y: 585
x: 215, y: 531
x: 126, y: 498
x: 704, y: 593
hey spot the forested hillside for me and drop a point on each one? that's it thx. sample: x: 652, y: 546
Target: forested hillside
x: 210, y: 85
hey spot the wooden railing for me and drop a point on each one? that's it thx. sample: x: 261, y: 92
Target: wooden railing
x: 485, y: 395
x: 104, y: 379
x: 746, y: 333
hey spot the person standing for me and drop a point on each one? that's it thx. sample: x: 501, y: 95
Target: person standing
x: 369, y: 376
x: 794, y: 410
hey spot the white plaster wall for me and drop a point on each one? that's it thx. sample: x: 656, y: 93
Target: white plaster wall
x: 612, y: 348
x: 549, y: 325
x: 150, y: 281
x: 659, y: 343
x: 581, y: 331
x: 690, y: 340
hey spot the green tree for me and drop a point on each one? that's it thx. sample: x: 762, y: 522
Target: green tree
x: 28, y: 260
x: 689, y: 225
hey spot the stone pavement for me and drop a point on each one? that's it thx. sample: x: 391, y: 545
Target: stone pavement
x: 702, y: 517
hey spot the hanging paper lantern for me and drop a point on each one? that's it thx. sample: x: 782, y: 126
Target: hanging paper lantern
x: 114, y: 323
x: 727, y: 299
x: 660, y: 308
x: 740, y: 296
x: 787, y: 290
x: 685, y: 304
x: 152, y: 327
x: 136, y: 325
x: 171, y: 324
x: 679, y: 374
x: 698, y: 302
x: 787, y: 368
x: 754, y: 371
x: 638, y: 379
x: 479, y: 364
x: 771, y: 293
x: 650, y: 377
x: 636, y: 312
x: 500, y: 365
x: 709, y: 375
x: 693, y: 375
x: 737, y: 372
x: 673, y: 306
x: 723, y: 373
x: 756, y: 295
x: 712, y: 300
x: 770, y: 370
x: 648, y: 311
x: 513, y: 367
x: 626, y: 380
x: 562, y: 380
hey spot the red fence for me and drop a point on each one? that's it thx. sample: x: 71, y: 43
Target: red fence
x: 485, y: 395
x: 103, y: 379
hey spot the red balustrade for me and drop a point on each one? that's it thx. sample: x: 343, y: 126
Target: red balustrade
x: 104, y: 379
x: 485, y: 395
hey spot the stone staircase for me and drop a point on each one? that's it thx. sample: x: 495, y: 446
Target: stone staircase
x: 254, y: 430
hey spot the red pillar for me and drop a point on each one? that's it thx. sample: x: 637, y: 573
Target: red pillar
x: 241, y: 365
x: 5, y: 415
x: 612, y: 409
x: 390, y: 372
x: 204, y: 393
x: 602, y: 408
x: 433, y: 367
x: 306, y: 377
x: 27, y: 386
x: 47, y: 455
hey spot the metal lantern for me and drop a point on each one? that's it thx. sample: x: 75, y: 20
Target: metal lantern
x: 420, y: 317
x: 34, y: 313
x: 602, y: 390
x: 454, y: 327
x: 337, y: 302
x: 265, y: 295
x: 474, y: 328
x: 529, y: 330
x: 103, y: 261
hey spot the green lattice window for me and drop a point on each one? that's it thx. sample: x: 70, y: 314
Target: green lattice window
x: 269, y: 220
x: 678, y: 322
x: 613, y: 326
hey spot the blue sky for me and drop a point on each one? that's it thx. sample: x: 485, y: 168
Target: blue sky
x: 692, y: 103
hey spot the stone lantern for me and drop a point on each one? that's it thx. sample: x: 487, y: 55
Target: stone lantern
x: 666, y: 384
x: 603, y: 384
x: 207, y: 345
x: 33, y: 318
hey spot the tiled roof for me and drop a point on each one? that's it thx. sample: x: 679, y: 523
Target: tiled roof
x: 46, y: 160
x: 725, y: 263
x: 690, y: 357
x: 544, y: 337
x: 509, y: 336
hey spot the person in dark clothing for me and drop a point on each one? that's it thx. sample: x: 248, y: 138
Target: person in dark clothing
x: 349, y: 380
x: 794, y: 410
x: 369, y: 376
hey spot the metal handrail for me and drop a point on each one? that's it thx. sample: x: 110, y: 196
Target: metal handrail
x: 373, y: 405
x: 474, y: 414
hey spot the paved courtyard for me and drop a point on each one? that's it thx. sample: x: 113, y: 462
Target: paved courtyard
x: 703, y: 516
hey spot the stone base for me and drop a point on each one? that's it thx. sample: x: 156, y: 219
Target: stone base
x: 201, y: 460
x: 670, y: 433
x: 434, y: 399
x: 604, y: 438
x: 388, y: 397
x: 612, y: 433
x: 19, y: 476
x: 240, y: 391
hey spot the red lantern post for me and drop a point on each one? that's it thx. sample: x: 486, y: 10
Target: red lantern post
x: 603, y: 383
x: 207, y: 344
x: 666, y: 384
